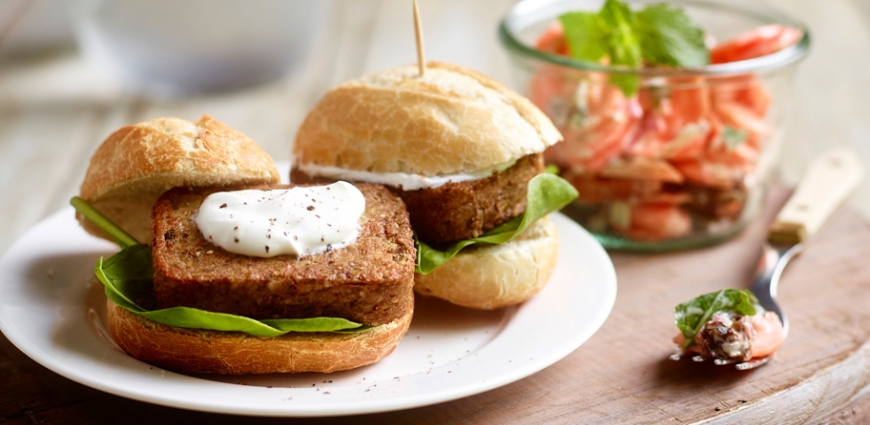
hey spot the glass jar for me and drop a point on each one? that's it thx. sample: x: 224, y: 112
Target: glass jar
x: 684, y: 162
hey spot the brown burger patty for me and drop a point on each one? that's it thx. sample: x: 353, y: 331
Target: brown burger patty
x: 462, y: 210
x: 369, y: 281
x: 468, y: 209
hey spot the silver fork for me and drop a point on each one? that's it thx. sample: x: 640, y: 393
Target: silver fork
x: 764, y: 285
x: 829, y: 180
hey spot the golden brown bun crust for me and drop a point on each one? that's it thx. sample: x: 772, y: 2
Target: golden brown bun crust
x: 233, y: 353
x: 496, y: 276
x: 137, y: 163
x: 451, y: 121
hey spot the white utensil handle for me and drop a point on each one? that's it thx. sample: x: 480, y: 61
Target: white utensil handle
x: 829, y: 180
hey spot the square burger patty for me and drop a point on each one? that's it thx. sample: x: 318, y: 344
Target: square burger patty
x: 466, y: 209
x: 370, y: 281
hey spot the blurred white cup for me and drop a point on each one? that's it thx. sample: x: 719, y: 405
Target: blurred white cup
x: 178, y: 47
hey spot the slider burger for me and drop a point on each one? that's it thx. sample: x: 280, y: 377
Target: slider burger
x: 242, y: 275
x: 460, y: 149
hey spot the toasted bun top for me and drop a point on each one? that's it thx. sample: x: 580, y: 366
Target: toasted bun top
x: 137, y: 163
x: 450, y: 121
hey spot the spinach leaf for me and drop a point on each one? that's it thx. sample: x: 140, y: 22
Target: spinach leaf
x: 546, y: 193
x: 128, y: 279
x: 121, y: 237
x: 127, y: 276
x: 690, y: 316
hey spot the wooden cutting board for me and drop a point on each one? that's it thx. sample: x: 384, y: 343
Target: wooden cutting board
x: 622, y: 374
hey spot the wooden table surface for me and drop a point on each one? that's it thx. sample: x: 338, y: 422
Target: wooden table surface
x: 55, y: 109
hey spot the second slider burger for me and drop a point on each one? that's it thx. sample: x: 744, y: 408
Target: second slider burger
x: 460, y: 149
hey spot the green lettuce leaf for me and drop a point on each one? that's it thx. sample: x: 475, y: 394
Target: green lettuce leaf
x: 546, y: 193
x: 692, y: 315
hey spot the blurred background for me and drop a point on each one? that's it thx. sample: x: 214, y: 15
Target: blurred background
x: 71, y: 72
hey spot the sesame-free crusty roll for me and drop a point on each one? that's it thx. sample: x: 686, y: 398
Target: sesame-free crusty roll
x: 138, y: 162
x: 460, y: 150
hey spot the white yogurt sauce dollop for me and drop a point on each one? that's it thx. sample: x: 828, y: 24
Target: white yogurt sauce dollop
x: 299, y: 221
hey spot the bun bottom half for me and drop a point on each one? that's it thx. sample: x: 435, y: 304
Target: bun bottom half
x: 496, y: 276
x: 235, y: 353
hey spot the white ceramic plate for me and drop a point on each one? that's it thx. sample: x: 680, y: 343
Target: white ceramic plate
x: 53, y: 309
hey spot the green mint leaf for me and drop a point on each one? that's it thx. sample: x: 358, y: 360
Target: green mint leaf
x: 669, y: 37
x: 690, y: 316
x: 586, y: 34
x: 625, y: 48
x: 623, y: 42
x: 127, y: 277
x: 546, y: 193
x: 733, y: 137
x: 628, y: 84
x: 656, y: 35
x: 608, y: 33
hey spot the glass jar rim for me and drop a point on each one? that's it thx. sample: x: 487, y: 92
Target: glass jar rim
x: 778, y: 59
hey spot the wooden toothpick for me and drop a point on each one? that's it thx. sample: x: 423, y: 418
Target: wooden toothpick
x: 418, y: 30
